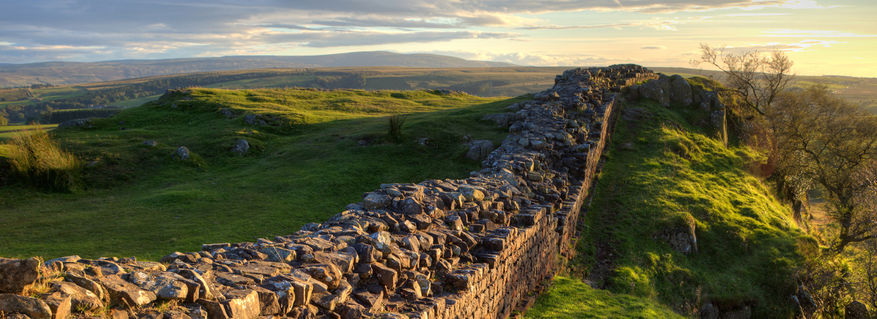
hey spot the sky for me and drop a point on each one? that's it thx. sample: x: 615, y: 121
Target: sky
x: 821, y: 37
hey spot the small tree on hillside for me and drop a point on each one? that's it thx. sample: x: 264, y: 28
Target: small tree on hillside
x: 3, y: 120
x: 832, y: 144
x: 756, y: 79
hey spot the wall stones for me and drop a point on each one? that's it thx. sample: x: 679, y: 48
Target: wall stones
x: 467, y: 248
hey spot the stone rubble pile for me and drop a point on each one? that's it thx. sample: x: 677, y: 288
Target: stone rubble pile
x: 469, y: 248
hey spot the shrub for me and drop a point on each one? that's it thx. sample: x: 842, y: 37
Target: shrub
x: 38, y: 160
x: 395, y: 129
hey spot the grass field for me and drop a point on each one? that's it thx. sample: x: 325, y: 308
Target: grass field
x: 9, y: 131
x: 305, y: 169
x: 662, y: 173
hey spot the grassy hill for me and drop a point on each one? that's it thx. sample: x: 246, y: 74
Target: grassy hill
x: 663, y: 175
x: 319, y: 151
x: 40, y: 103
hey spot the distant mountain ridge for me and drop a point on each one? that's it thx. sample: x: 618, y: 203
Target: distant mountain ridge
x: 59, y: 73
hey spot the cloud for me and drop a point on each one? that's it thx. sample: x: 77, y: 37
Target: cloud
x: 657, y: 24
x: 788, y: 33
x: 528, y: 59
x: 349, y: 38
x: 653, y: 47
x: 779, y: 46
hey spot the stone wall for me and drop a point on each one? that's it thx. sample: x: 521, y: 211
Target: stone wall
x: 471, y: 248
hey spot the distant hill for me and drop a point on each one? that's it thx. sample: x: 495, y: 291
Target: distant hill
x: 60, y: 73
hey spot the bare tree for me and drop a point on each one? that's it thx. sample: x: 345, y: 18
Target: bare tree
x: 832, y: 143
x: 757, y: 79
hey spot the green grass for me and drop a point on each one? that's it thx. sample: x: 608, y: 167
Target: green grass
x: 662, y: 171
x: 571, y: 298
x: 135, y: 102
x: 10, y: 131
x: 141, y: 202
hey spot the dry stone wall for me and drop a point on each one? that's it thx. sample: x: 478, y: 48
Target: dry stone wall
x: 470, y: 248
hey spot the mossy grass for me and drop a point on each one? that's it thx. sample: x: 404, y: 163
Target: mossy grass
x: 320, y: 151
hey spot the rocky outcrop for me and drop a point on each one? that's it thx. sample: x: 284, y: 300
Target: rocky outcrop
x: 675, y: 89
x: 464, y: 248
x: 15, y: 275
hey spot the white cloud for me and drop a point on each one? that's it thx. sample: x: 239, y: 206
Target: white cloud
x: 789, y: 33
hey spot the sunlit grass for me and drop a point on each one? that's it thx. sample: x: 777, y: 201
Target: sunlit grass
x: 573, y: 299
x: 36, y: 159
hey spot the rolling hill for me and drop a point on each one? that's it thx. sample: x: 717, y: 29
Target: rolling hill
x: 60, y: 73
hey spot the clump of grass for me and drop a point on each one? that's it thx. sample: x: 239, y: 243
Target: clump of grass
x: 395, y: 128
x: 38, y: 160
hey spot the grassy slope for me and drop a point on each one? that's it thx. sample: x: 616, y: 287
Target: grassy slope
x: 658, y: 172
x: 148, y: 205
x: 573, y: 299
x: 7, y: 132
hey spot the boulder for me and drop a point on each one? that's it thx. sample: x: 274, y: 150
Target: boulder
x: 471, y: 193
x: 32, y: 307
x: 256, y: 120
x: 122, y: 292
x: 228, y: 113
x: 150, y: 143
x: 387, y: 276
x: 479, y: 149
x: 81, y: 298
x: 376, y: 201
x: 59, y: 304
x: 182, y: 153
x: 657, y: 89
x: 16, y: 274
x: 680, y: 90
x: 89, y: 285
x: 409, y: 206
x: 242, y: 304
x: 241, y: 147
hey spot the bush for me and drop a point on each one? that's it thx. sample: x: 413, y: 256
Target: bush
x: 395, y: 129
x: 36, y: 159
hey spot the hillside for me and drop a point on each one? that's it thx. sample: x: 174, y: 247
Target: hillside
x: 665, y: 179
x: 311, y: 153
x: 62, y: 73
x: 26, y: 104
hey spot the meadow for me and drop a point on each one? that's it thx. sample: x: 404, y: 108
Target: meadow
x: 319, y: 151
